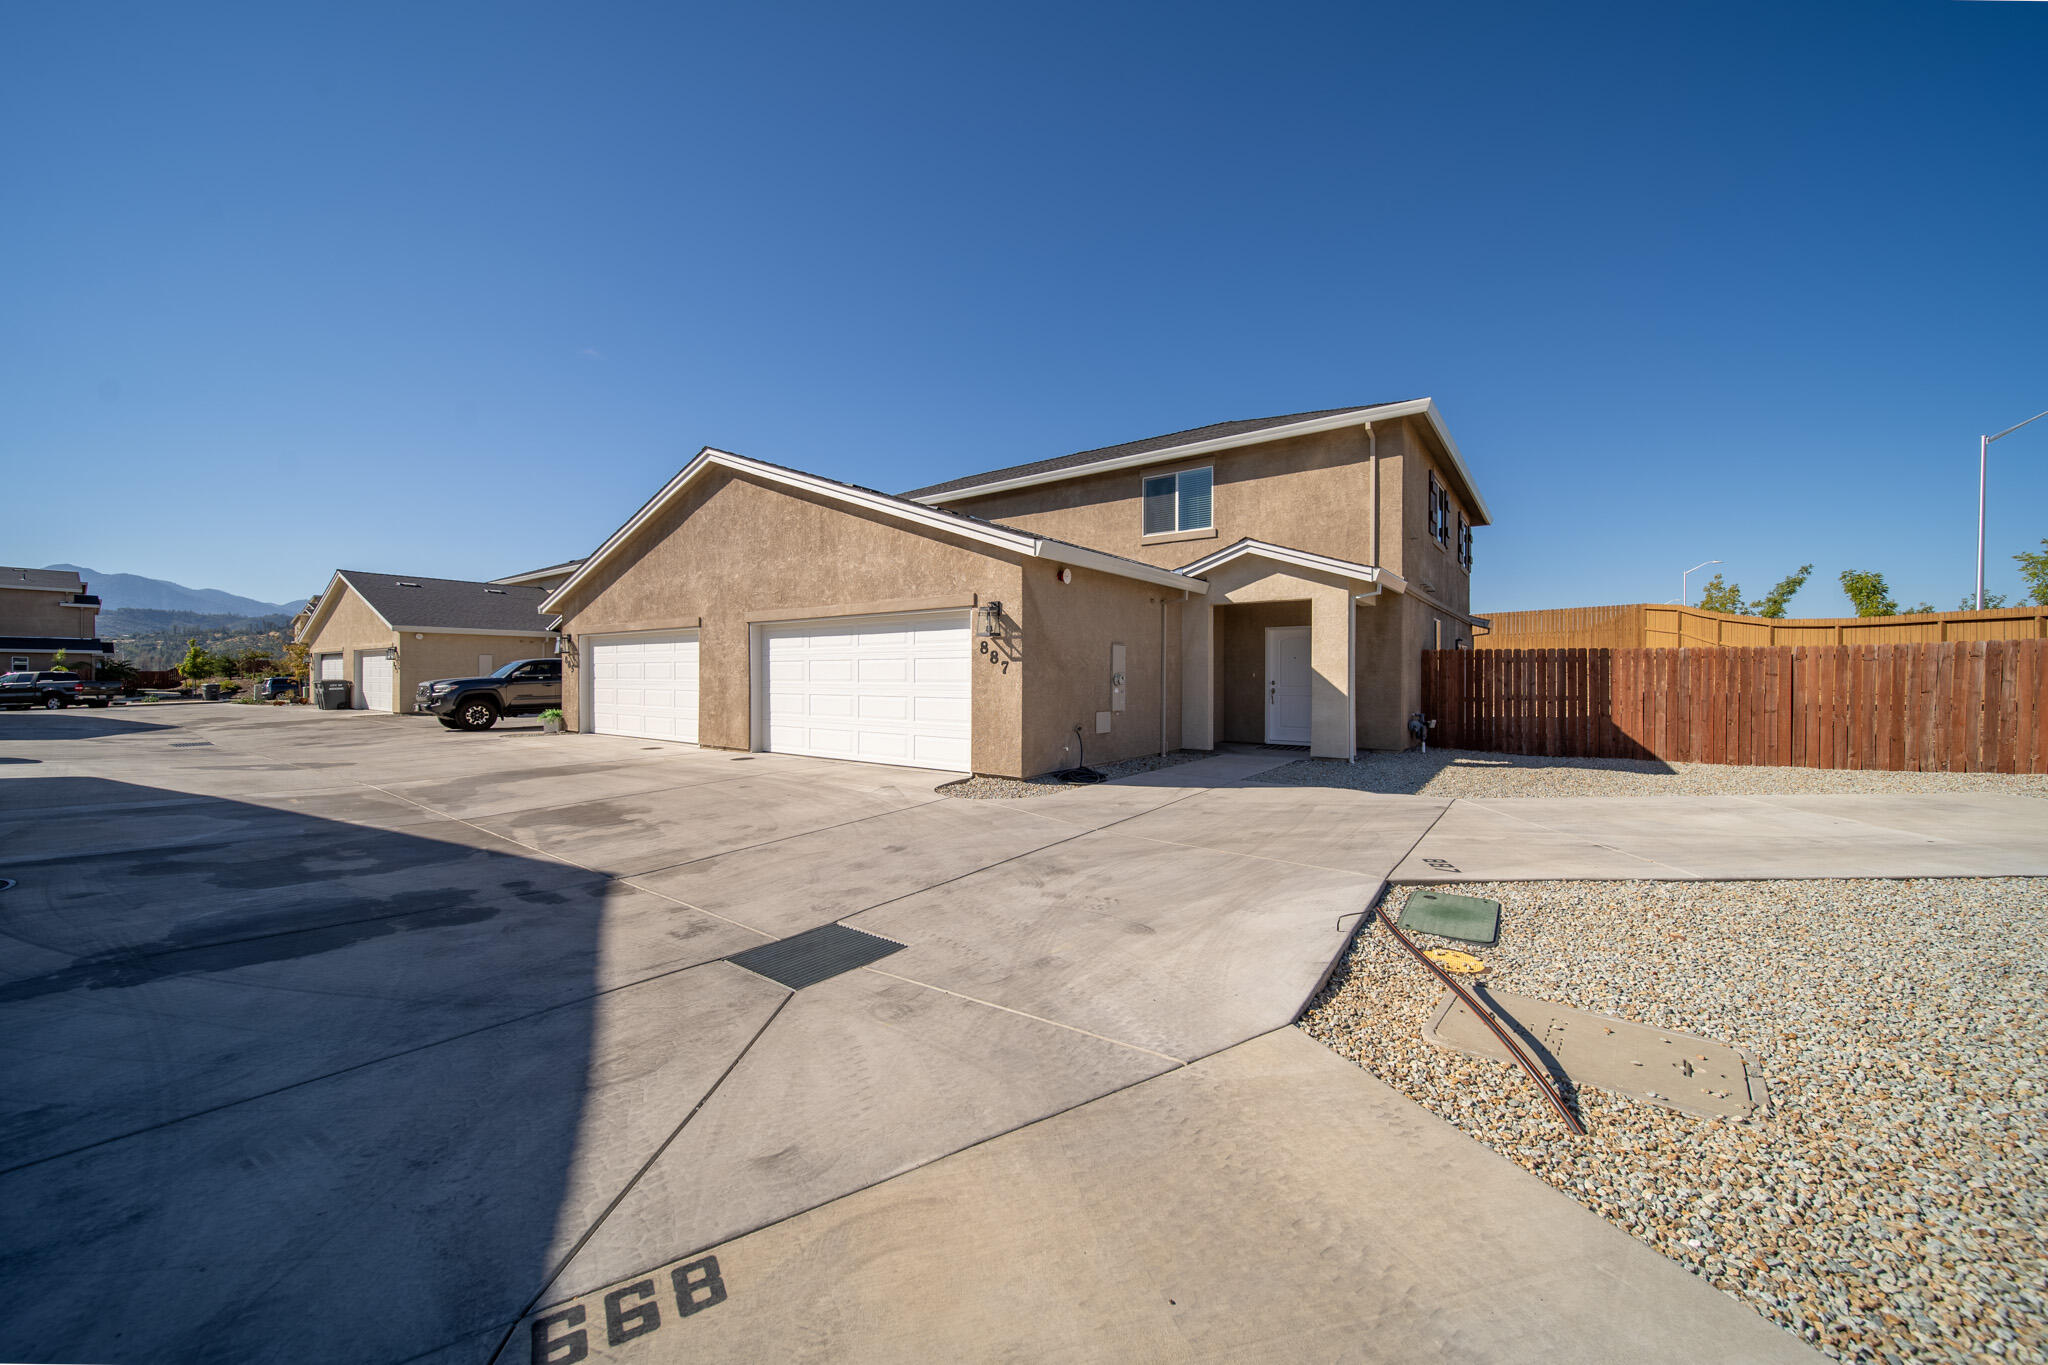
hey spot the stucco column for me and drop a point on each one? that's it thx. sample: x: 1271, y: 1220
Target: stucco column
x: 1197, y: 674
x: 1333, y: 649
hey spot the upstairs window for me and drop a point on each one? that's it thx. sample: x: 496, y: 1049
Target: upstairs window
x: 1439, y: 513
x: 1464, y: 543
x: 1178, y: 502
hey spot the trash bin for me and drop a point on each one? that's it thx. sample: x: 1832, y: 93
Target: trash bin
x: 210, y: 691
x: 334, y: 694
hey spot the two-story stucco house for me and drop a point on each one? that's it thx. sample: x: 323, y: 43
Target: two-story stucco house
x: 1274, y: 581
x: 44, y: 611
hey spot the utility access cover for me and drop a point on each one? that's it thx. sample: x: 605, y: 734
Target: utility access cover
x: 815, y: 955
x: 1676, y: 1070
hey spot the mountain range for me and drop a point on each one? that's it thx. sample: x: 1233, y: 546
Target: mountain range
x: 117, y: 590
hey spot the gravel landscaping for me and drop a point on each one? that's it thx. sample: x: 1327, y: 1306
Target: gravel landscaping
x: 980, y: 788
x: 1466, y: 772
x: 1892, y: 1202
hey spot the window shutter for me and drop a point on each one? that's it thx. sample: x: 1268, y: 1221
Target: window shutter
x: 1158, y: 505
x: 1195, y: 485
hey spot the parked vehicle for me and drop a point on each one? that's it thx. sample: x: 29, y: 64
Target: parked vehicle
x: 524, y: 687
x: 55, y: 689
x: 272, y: 688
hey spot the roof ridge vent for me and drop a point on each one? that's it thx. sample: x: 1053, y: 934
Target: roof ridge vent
x: 499, y: 591
x: 404, y: 583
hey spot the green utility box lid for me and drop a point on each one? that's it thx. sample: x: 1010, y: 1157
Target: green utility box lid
x: 1461, y: 917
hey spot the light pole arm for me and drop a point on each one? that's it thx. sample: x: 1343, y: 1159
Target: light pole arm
x: 2015, y: 427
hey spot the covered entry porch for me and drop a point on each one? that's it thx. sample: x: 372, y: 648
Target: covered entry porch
x: 1271, y: 653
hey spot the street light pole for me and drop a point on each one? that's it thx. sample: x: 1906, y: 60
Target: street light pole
x: 1984, y: 458
x: 1683, y: 600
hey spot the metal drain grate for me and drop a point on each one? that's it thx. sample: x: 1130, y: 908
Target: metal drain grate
x: 192, y: 744
x: 815, y: 955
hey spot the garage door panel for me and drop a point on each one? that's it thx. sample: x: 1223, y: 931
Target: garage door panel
x: 883, y: 690
x: 645, y: 687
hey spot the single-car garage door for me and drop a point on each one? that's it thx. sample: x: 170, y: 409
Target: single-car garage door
x: 373, y: 682
x: 645, y: 685
x: 881, y: 689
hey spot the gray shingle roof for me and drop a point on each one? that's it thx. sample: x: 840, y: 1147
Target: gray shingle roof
x: 449, y: 603
x: 1211, y: 432
x: 56, y: 580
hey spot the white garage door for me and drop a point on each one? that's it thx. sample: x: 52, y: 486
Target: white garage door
x: 645, y: 686
x: 882, y: 689
x: 330, y: 668
x: 373, y: 682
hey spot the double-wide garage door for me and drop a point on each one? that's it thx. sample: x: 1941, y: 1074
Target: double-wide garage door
x: 881, y: 689
x: 645, y: 685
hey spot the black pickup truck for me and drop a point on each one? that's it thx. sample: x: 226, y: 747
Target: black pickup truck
x: 524, y: 687
x: 55, y: 689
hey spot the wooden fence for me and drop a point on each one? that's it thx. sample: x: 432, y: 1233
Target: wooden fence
x: 1972, y: 706
x: 1649, y: 625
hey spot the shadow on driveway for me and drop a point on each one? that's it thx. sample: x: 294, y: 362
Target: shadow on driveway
x: 310, y: 1091
x: 71, y: 723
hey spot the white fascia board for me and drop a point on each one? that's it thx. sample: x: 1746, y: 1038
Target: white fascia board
x: 1304, y: 559
x: 539, y: 634
x: 904, y: 510
x: 1081, y: 557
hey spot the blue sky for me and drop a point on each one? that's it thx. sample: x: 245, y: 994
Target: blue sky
x: 450, y: 289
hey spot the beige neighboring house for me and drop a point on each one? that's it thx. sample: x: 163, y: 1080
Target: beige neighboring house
x: 43, y: 611
x: 388, y: 633
x: 1268, y: 581
x: 548, y: 579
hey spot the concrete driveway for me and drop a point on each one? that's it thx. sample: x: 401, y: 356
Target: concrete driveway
x: 344, y: 1037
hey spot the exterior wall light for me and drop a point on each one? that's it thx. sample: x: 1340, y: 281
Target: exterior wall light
x: 391, y: 654
x: 989, y: 622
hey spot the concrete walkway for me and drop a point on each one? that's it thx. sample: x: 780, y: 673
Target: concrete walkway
x: 1725, y: 838
x: 344, y: 1037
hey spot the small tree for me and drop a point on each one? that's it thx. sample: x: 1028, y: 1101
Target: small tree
x: 1721, y: 597
x: 295, y: 660
x: 61, y: 659
x: 198, y: 663
x: 2034, y: 569
x: 1773, y: 603
x: 254, y: 663
x: 1991, y: 599
x: 1868, y: 591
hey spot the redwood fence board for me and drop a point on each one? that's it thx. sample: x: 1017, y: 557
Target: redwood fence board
x: 1954, y: 706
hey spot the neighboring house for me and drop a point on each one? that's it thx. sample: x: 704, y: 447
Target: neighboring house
x: 43, y: 611
x: 387, y: 633
x: 1272, y: 581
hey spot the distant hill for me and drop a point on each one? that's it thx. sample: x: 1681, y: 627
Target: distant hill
x: 117, y: 590
x: 158, y: 639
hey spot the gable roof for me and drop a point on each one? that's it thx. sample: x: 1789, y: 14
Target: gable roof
x: 442, y: 605
x: 868, y: 499
x: 42, y: 580
x: 1306, y: 559
x: 1204, y: 440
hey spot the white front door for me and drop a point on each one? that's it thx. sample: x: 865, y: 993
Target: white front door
x: 373, y: 682
x: 880, y: 689
x: 1288, y: 685
x: 645, y: 685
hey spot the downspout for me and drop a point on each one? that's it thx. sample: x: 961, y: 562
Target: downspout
x: 1372, y: 442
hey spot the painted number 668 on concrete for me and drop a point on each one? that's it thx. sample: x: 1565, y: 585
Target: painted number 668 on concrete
x: 631, y: 1311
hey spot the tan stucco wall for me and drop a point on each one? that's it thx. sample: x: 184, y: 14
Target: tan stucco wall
x: 1312, y: 492
x: 731, y: 546
x: 81, y: 664
x: 1332, y: 656
x: 1431, y: 569
x: 27, y: 612
x: 1241, y: 672
x: 1065, y: 646
x: 425, y: 657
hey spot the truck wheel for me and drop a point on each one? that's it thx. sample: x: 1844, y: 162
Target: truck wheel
x: 477, y: 715
x: 54, y: 703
